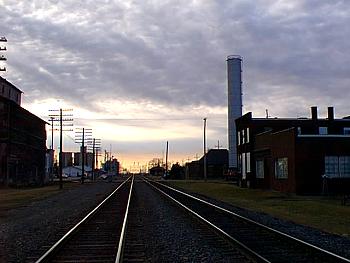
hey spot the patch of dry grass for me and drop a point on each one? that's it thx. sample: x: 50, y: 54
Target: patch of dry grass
x: 320, y: 212
x: 11, y: 198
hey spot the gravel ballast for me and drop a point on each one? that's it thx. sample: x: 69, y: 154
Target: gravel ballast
x: 169, y: 234
x: 24, y: 231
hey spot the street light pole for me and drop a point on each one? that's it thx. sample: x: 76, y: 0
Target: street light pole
x: 204, y: 150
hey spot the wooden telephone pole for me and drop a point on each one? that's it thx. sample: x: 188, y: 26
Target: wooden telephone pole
x: 3, y: 48
x: 64, y: 120
x: 95, y: 146
x: 83, y: 135
x: 204, y: 150
x: 166, y: 159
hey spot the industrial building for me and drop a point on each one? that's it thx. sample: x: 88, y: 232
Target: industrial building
x: 22, y: 140
x: 296, y: 155
x: 217, y: 164
x: 67, y: 159
x: 49, y: 165
x: 112, y: 166
x: 88, y: 158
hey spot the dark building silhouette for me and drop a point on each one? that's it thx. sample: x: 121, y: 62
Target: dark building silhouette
x: 10, y: 91
x: 294, y: 155
x: 22, y: 141
x: 157, y: 171
x: 217, y: 163
x: 88, y: 158
x: 112, y: 166
x: 176, y: 172
x: 67, y: 159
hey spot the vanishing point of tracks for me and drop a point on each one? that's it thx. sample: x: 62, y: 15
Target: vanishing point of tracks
x: 114, y: 232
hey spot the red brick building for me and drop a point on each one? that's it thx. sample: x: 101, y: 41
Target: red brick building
x: 294, y: 155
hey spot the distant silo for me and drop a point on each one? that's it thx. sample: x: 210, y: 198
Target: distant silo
x: 234, y: 83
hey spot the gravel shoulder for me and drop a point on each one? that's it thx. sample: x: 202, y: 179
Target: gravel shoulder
x: 24, y: 231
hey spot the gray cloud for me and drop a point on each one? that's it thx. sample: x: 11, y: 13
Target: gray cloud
x: 172, y: 53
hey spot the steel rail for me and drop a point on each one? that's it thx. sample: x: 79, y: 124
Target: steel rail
x: 257, y: 223
x: 226, y: 235
x: 119, y: 257
x: 60, y: 242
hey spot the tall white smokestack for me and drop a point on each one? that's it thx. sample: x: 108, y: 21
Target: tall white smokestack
x: 234, y: 84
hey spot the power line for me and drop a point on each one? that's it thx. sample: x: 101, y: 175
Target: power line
x: 146, y: 119
x: 58, y: 116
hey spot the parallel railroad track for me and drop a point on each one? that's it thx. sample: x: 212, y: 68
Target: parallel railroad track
x: 99, y: 237
x: 261, y: 242
x: 140, y: 248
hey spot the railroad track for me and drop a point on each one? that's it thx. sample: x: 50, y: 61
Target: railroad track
x: 99, y: 237
x: 159, y: 231
x: 263, y: 243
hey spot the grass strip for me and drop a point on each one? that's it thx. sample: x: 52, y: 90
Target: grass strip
x: 12, y: 198
x: 324, y: 213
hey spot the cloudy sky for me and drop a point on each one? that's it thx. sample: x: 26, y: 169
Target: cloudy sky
x: 143, y: 72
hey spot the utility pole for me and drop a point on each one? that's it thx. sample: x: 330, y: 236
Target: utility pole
x: 204, y: 150
x: 93, y: 160
x: 60, y: 117
x: 83, y: 158
x: 97, y: 154
x: 83, y: 135
x: 52, y: 129
x: 166, y: 158
x: 61, y: 153
x: 3, y: 58
x: 94, y: 145
x: 3, y: 48
x: 218, y: 146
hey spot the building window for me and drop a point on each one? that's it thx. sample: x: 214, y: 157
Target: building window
x: 281, y: 168
x: 331, y: 166
x: 247, y: 135
x: 346, y: 130
x: 337, y: 166
x: 344, y: 166
x: 239, y: 138
x: 259, y: 168
x: 323, y: 130
x: 248, y: 162
x: 243, y: 137
x: 243, y: 166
